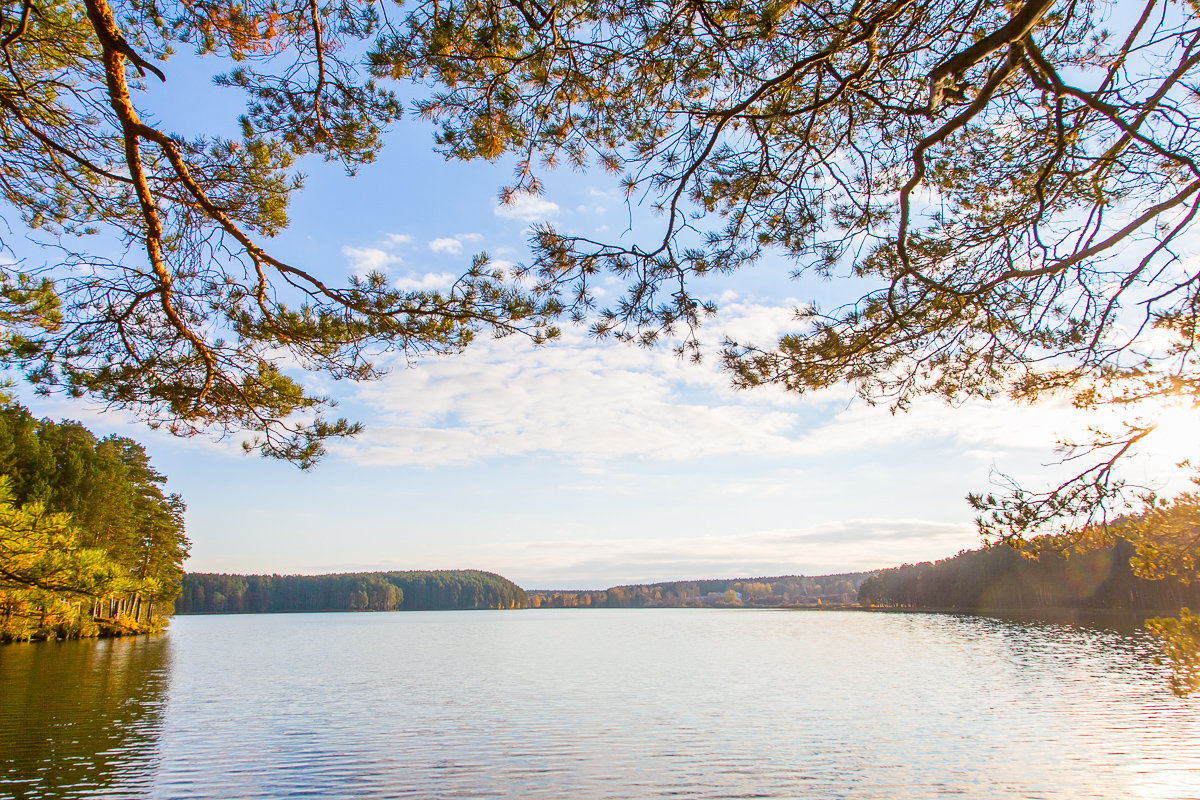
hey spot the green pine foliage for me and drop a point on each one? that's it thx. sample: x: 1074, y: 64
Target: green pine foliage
x: 356, y: 591
x: 89, y: 542
x: 137, y: 263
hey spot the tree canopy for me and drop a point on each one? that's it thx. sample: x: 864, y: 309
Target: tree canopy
x: 195, y: 324
x: 1008, y: 189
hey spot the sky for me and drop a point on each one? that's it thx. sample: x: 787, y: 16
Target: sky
x: 578, y: 464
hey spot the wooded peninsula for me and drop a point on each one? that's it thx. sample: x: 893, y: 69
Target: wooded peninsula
x: 90, y: 544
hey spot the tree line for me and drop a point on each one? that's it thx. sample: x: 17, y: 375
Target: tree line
x: 780, y: 591
x: 89, y: 542
x: 356, y: 591
x: 1000, y: 578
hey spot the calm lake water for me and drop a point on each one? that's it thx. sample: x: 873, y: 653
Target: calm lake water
x: 622, y: 704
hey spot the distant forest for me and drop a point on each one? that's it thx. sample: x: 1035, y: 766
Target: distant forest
x: 998, y: 578
x: 355, y: 591
x: 787, y: 591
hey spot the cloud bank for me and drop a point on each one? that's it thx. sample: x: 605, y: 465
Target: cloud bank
x: 593, y: 402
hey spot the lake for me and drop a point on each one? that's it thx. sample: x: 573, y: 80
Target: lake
x: 621, y: 703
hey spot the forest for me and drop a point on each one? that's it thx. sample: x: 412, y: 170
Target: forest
x: 90, y: 544
x: 1000, y: 578
x: 786, y: 591
x: 356, y: 591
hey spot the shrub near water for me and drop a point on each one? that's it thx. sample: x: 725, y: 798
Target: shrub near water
x: 1181, y: 649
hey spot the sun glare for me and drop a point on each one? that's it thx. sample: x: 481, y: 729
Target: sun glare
x: 1177, y: 433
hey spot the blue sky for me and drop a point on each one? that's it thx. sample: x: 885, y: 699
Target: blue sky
x: 577, y: 464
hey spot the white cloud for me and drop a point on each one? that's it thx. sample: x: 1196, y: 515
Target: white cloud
x: 844, y: 546
x: 369, y: 259
x: 426, y: 282
x: 527, y: 208
x: 575, y: 398
x: 998, y: 425
x: 580, y: 400
x: 397, y: 238
x: 454, y: 245
x: 751, y: 323
x: 450, y: 246
x: 559, y: 404
x: 595, y: 403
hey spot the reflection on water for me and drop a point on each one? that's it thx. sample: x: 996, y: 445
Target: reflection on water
x: 599, y: 704
x: 80, y: 718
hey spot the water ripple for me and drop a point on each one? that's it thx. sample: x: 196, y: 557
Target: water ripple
x: 597, y: 704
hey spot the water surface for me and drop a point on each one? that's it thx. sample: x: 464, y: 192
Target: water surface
x: 630, y: 703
